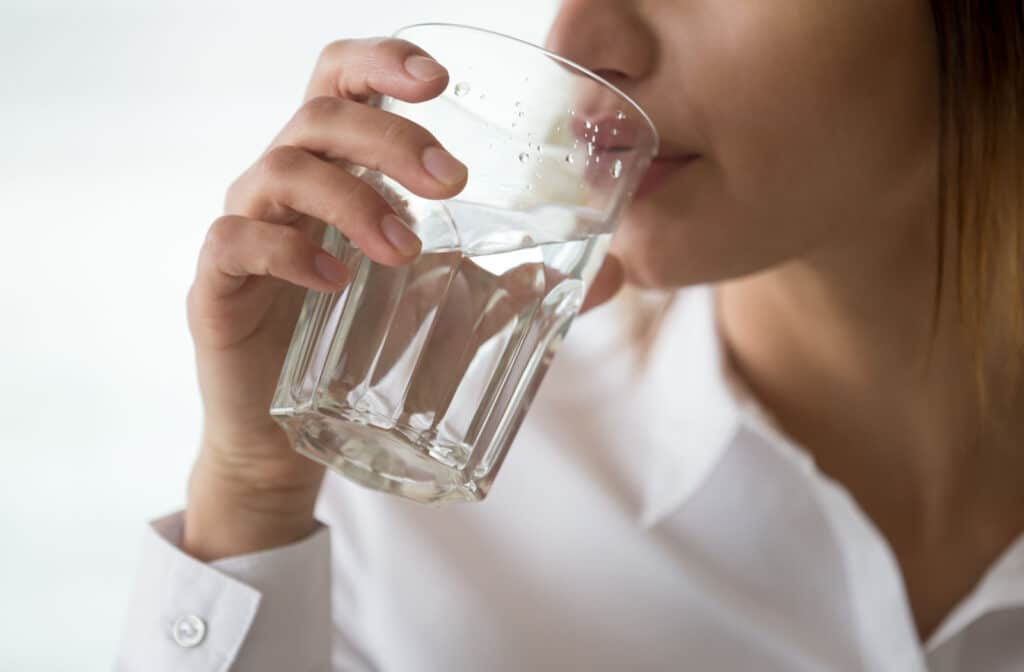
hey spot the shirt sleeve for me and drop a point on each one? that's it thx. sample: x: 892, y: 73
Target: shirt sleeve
x: 265, y: 611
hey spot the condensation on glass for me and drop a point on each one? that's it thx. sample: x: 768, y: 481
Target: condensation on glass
x: 414, y: 379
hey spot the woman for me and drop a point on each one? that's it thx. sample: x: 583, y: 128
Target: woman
x: 820, y: 466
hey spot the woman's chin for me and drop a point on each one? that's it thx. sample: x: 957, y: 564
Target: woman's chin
x: 643, y: 265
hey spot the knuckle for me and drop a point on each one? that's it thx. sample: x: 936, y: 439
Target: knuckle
x: 396, y: 45
x: 283, y: 159
x: 353, y: 198
x: 221, y: 234
x: 332, y: 50
x: 284, y: 244
x: 287, y: 238
x: 397, y: 131
x: 319, y: 109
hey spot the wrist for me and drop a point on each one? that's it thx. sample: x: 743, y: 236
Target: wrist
x: 224, y: 517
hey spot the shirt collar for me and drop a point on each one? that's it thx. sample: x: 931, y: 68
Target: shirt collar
x: 696, y: 406
x: 1002, y: 587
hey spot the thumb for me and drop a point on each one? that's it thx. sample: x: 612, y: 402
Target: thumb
x: 606, y: 283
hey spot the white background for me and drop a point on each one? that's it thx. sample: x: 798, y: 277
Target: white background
x: 121, y: 124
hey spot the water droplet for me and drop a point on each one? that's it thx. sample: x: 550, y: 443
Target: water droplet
x: 587, y: 124
x: 462, y: 88
x: 620, y: 115
x: 572, y: 111
x: 569, y: 159
x: 482, y: 96
x: 529, y: 187
x: 590, y: 149
x: 515, y: 104
x: 615, y: 131
x: 616, y: 170
x: 524, y: 157
x: 520, y: 114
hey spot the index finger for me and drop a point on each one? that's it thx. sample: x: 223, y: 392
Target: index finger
x: 358, y: 68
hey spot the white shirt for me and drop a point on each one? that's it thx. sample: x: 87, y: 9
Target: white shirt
x: 647, y: 521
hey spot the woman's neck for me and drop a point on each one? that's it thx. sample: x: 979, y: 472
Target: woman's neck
x: 836, y: 346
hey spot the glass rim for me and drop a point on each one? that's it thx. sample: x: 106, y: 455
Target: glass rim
x: 550, y: 54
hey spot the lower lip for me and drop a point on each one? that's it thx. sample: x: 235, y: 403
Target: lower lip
x: 660, y: 170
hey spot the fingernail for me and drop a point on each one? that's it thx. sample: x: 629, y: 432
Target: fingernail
x: 330, y: 269
x: 424, y: 68
x: 400, y: 235
x: 443, y: 166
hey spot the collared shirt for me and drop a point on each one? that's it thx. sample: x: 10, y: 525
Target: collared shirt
x: 645, y: 519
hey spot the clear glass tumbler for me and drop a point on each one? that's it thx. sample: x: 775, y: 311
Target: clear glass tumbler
x: 414, y: 380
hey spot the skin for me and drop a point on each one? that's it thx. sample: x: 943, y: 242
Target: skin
x: 810, y: 203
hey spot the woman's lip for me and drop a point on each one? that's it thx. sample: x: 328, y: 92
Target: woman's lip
x: 661, y: 168
x: 612, y: 132
x: 607, y: 136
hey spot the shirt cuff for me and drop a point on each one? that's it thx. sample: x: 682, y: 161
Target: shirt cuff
x: 269, y: 610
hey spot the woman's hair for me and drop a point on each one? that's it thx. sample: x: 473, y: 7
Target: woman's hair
x: 980, y: 55
x: 981, y: 82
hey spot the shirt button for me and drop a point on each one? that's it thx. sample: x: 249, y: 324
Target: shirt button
x: 189, y: 630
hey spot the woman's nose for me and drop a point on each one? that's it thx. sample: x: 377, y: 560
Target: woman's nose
x: 606, y: 36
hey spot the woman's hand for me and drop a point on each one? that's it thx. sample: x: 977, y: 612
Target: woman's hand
x: 249, y: 489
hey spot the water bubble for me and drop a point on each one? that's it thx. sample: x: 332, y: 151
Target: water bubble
x: 615, y: 131
x: 482, y: 96
x: 462, y: 88
x: 616, y: 170
x: 523, y: 157
x: 520, y: 114
x: 597, y: 159
x: 587, y: 124
x: 590, y: 149
x: 529, y: 187
x: 569, y: 159
x: 572, y: 111
x: 621, y: 115
x: 516, y: 104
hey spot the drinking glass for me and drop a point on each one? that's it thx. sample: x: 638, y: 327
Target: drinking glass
x: 414, y: 380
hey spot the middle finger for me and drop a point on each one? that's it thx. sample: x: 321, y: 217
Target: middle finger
x: 345, y: 130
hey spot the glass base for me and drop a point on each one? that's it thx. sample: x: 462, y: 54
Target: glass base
x: 380, y: 458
